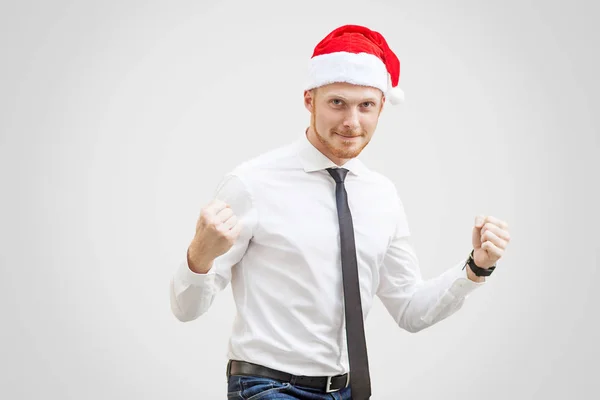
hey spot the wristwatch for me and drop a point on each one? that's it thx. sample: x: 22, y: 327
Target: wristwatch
x: 478, y: 271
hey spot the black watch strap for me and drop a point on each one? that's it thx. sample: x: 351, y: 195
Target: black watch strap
x: 478, y: 271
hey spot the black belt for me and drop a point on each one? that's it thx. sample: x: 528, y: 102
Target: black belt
x: 327, y: 384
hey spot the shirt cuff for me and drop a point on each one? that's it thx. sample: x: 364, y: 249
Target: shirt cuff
x: 462, y: 285
x: 187, y: 277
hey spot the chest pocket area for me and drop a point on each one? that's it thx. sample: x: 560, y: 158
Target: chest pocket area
x: 373, y: 230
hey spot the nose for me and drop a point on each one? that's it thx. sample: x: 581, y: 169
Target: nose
x: 351, y: 120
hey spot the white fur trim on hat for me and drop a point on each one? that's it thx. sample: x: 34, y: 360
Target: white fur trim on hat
x: 359, y: 69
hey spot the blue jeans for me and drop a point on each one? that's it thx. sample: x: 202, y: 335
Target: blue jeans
x: 254, y: 388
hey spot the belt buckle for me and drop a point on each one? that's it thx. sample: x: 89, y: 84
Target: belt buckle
x: 328, y: 385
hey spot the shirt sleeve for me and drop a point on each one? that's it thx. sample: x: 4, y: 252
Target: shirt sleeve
x: 415, y: 303
x: 191, y: 293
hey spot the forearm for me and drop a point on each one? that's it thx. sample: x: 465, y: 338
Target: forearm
x: 436, y: 299
x: 432, y: 301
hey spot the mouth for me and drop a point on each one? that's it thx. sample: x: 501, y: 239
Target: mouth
x: 347, y: 137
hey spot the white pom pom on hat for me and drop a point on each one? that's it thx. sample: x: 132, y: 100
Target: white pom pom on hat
x: 358, y: 55
x: 395, y: 95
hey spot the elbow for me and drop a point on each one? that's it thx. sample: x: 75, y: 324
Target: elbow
x: 430, y: 319
x: 404, y: 325
x: 181, y: 315
x: 176, y: 311
x: 413, y: 324
x: 183, y: 318
x: 409, y: 329
x: 412, y: 329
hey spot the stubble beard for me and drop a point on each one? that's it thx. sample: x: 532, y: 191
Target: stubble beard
x: 340, y: 152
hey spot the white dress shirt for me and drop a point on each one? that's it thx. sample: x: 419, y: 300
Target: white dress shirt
x: 285, y: 268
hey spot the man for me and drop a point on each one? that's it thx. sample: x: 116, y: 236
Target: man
x: 307, y: 235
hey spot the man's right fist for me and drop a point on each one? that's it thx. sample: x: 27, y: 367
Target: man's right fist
x: 217, y: 230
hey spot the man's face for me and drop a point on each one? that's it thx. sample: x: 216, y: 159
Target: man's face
x: 343, y: 118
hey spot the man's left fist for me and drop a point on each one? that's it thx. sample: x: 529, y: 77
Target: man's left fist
x: 490, y: 238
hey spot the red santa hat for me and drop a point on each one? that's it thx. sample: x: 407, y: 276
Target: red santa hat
x: 357, y: 55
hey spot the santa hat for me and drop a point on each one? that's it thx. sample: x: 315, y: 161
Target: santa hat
x: 357, y: 55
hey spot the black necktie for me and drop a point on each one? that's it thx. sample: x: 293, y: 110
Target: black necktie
x: 355, y: 331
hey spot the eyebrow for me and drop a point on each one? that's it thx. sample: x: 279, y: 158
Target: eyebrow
x: 373, y: 99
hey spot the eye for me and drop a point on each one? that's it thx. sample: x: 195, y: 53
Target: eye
x: 368, y: 104
x: 336, y: 102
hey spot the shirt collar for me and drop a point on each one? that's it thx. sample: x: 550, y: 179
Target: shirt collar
x: 313, y: 160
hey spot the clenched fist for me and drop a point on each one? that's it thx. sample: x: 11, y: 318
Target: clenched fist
x: 217, y: 230
x: 490, y: 238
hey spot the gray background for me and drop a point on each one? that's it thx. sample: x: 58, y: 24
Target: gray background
x: 118, y: 120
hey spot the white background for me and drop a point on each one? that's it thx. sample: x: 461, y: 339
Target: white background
x: 117, y: 121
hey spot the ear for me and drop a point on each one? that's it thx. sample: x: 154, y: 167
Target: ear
x: 308, y: 100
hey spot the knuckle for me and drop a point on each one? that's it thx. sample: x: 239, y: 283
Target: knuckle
x: 213, y: 221
x: 218, y: 204
x: 224, y: 214
x: 222, y: 228
x: 205, y: 214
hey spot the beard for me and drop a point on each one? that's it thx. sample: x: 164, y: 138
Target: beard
x: 346, y: 150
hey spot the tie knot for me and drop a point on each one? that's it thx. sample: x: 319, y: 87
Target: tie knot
x: 338, y: 174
